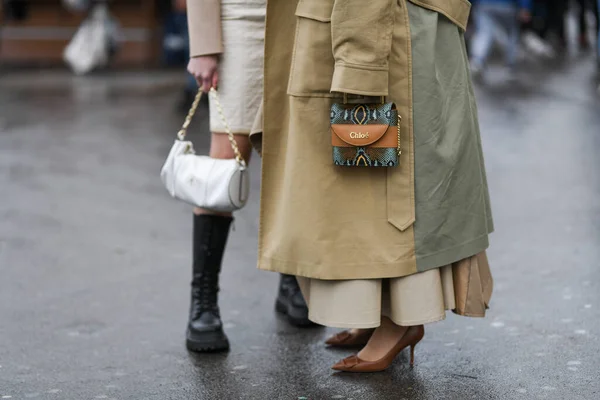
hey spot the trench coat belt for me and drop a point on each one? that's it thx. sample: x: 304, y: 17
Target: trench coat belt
x: 401, y: 193
x: 400, y: 180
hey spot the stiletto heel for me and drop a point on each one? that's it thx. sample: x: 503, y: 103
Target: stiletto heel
x: 411, y: 338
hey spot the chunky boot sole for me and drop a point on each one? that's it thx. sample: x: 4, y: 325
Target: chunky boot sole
x: 207, y: 342
x: 288, y: 312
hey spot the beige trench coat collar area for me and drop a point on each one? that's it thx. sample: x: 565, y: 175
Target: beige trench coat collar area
x: 303, y: 230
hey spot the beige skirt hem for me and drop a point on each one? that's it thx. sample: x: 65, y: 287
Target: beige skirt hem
x: 346, y: 325
x: 419, y: 322
x: 375, y: 324
x: 464, y: 288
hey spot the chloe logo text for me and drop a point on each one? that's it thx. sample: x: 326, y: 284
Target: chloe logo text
x: 359, y: 135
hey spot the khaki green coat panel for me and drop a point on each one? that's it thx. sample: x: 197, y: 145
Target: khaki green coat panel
x: 452, y: 203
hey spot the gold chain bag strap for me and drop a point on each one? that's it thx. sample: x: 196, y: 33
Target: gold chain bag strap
x: 206, y: 182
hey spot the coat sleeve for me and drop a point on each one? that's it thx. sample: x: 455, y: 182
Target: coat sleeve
x: 362, y: 41
x: 204, y: 23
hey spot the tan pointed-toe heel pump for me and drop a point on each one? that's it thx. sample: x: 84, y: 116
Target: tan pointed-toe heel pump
x: 411, y: 338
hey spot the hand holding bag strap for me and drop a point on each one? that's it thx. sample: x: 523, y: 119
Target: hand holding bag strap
x: 188, y: 120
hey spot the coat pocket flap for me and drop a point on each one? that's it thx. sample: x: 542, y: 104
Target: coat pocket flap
x: 319, y: 10
x: 359, y: 135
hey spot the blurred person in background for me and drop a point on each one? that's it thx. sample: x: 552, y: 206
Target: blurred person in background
x: 584, y: 28
x: 176, y: 46
x: 497, y: 21
x: 556, y: 14
x: 15, y: 10
x: 191, y: 86
x: 532, y: 40
x: 598, y: 39
x: 227, y: 50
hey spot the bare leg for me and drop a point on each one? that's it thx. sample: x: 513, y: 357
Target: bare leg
x: 383, y: 340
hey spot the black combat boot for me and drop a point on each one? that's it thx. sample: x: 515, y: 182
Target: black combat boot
x: 205, y: 329
x: 290, y: 302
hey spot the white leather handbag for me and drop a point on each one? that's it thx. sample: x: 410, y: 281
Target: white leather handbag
x: 214, y: 184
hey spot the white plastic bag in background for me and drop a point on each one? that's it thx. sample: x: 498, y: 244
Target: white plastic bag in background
x: 93, y: 43
x: 538, y: 46
x: 77, y: 5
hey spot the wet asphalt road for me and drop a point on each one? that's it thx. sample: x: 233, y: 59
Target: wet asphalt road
x: 95, y: 257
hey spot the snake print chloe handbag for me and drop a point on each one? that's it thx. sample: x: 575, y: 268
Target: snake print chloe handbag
x: 365, y: 134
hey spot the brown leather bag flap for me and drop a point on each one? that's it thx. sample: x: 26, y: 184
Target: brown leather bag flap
x: 359, y: 135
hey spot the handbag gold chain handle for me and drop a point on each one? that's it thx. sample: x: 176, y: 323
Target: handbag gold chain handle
x: 399, y: 148
x: 188, y: 120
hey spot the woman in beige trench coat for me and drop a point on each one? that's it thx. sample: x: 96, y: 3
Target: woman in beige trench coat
x: 381, y: 251
x: 226, y: 52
